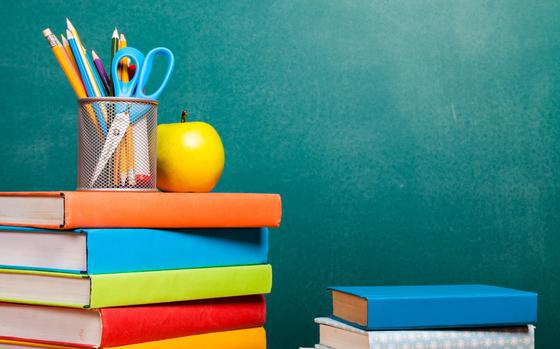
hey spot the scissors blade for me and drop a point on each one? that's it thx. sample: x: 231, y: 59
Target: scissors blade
x: 114, y: 136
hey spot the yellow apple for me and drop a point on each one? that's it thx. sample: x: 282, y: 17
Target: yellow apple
x: 190, y: 156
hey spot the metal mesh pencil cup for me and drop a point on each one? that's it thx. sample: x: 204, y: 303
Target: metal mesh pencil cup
x: 117, y: 144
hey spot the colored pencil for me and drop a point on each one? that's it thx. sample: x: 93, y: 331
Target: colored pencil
x: 96, y: 76
x: 131, y: 70
x: 80, y: 63
x: 65, y: 64
x: 83, y: 54
x: 101, y: 71
x: 123, y: 71
x: 69, y: 53
x: 100, y: 123
x: 114, y: 49
x: 127, y: 150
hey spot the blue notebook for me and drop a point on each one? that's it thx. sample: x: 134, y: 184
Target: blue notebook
x: 417, y: 307
x: 102, y: 251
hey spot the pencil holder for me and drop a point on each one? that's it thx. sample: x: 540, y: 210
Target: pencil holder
x: 117, y: 144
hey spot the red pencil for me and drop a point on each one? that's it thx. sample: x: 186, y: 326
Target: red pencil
x: 131, y: 70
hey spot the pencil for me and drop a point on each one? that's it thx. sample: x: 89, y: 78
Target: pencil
x: 101, y: 71
x: 123, y: 71
x: 96, y: 76
x: 83, y: 53
x: 69, y: 53
x: 80, y: 63
x: 114, y: 49
x: 126, y: 166
x: 65, y: 64
x: 100, y: 122
x: 131, y: 70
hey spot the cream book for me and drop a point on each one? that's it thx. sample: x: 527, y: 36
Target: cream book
x: 335, y: 334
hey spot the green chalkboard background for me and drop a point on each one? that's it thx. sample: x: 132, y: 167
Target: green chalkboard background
x: 413, y: 142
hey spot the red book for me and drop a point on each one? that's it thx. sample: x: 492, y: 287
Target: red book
x: 110, y: 327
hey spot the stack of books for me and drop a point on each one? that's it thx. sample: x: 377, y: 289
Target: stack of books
x: 429, y: 317
x: 134, y: 270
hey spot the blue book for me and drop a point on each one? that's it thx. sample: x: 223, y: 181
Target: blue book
x: 418, y: 307
x: 103, y: 251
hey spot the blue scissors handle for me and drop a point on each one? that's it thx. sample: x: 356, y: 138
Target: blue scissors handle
x: 126, y: 89
x: 146, y: 70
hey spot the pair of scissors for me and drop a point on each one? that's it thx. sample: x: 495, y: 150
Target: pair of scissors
x: 134, y: 88
x: 137, y: 85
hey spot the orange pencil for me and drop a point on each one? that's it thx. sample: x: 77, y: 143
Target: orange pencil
x: 69, y: 53
x: 65, y: 64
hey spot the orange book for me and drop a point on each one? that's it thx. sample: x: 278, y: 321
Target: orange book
x: 90, y: 209
x: 251, y: 338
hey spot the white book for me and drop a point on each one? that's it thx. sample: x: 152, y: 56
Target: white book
x: 335, y: 334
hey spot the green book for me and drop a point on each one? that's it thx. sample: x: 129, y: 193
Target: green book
x: 112, y: 290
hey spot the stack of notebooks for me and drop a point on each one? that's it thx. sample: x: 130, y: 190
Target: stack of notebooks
x: 134, y: 270
x: 429, y: 317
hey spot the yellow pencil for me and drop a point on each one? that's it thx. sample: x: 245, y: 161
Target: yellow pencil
x: 127, y: 151
x: 64, y: 61
x: 123, y: 65
x: 69, y: 53
x: 82, y: 51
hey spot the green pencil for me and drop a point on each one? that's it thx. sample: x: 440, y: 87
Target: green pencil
x: 114, y: 49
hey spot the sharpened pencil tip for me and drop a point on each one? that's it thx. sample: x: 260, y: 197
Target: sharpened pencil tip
x: 69, y: 25
x: 94, y: 55
x: 115, y: 33
x: 69, y: 34
x: 122, y: 37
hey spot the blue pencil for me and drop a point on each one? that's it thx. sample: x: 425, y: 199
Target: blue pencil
x: 89, y: 89
x: 80, y: 63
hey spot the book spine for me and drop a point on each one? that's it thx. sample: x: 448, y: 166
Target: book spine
x: 112, y: 290
x: 129, y: 325
x: 135, y: 250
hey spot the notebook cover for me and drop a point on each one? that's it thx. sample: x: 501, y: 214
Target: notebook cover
x: 134, y: 250
x: 137, y: 324
x: 519, y: 337
x: 92, y: 209
x: 251, y: 338
x: 123, y: 289
x: 409, y: 307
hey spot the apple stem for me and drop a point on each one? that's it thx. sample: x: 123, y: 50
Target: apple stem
x: 184, y: 116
